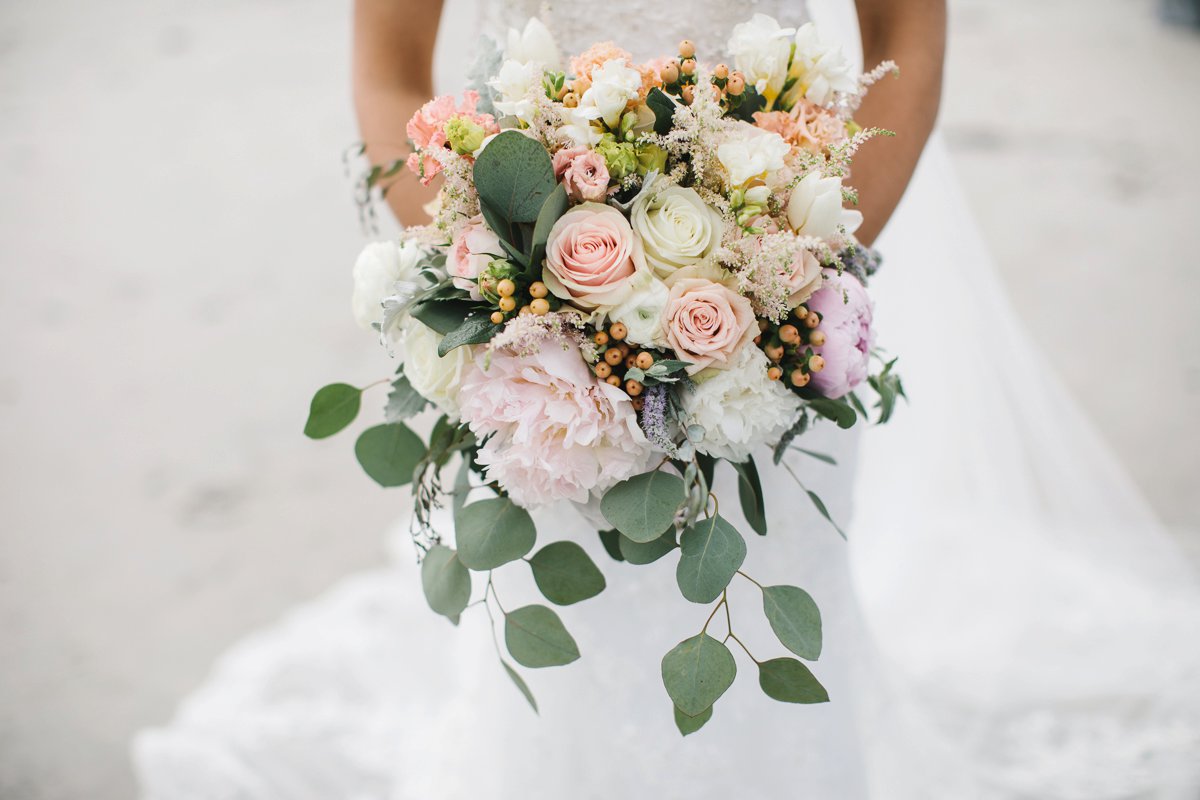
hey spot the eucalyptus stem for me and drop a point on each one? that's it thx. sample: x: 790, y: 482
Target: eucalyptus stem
x: 716, y: 608
x: 733, y: 636
x: 747, y: 577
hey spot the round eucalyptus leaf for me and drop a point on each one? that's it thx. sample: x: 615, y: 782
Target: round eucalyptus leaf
x: 493, y: 532
x: 643, y: 506
x: 565, y: 574
x: 689, y: 725
x: 789, y: 681
x: 535, y: 637
x: 333, y: 407
x: 638, y: 554
x: 712, y: 553
x: 697, y: 672
x: 447, y: 583
x: 521, y: 685
x: 795, y: 618
x: 389, y: 453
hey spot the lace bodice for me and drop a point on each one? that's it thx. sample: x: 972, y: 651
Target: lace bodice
x: 660, y: 23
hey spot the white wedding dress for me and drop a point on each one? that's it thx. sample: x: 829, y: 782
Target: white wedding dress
x: 1008, y: 620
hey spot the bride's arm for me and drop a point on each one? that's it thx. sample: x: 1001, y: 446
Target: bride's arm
x: 913, y: 34
x: 393, y: 77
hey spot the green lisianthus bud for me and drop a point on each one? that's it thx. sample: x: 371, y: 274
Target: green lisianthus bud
x: 651, y: 157
x: 620, y: 158
x: 464, y: 135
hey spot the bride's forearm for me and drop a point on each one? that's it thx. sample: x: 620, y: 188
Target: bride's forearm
x: 913, y: 34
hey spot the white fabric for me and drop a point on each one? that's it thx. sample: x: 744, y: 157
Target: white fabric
x: 1032, y: 629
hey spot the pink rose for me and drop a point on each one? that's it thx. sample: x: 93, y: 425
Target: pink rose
x: 584, y: 173
x: 473, y: 249
x: 802, y: 277
x: 591, y: 256
x: 706, y: 323
x: 845, y: 313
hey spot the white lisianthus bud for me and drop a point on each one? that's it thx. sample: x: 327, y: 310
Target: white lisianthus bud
x: 534, y: 44
x: 815, y: 208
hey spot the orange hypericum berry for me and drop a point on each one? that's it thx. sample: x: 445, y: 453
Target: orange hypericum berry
x: 618, y: 331
x: 613, y: 356
x: 644, y: 360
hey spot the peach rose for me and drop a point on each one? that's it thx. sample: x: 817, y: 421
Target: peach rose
x: 706, y: 323
x: 802, y: 277
x: 591, y: 256
x: 584, y: 173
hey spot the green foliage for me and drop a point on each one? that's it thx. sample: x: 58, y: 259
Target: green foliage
x: 565, y: 574
x: 840, y: 410
x: 536, y: 638
x: 640, y: 553
x: 447, y: 583
x: 888, y: 386
x: 689, y: 725
x: 554, y: 207
x: 333, y: 407
x: 795, y: 619
x: 521, y: 685
x: 403, y: 401
x: 493, y: 532
x: 611, y: 539
x: 750, y: 493
x: 822, y: 457
x: 666, y: 371
x: 743, y: 106
x: 697, y: 672
x: 712, y: 553
x: 476, y: 328
x: 389, y: 453
x: 513, y: 176
x: 443, y: 308
x: 819, y: 504
x: 789, y: 681
x: 643, y: 506
x: 664, y: 110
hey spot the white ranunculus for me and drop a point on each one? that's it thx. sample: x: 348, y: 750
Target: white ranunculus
x: 760, y: 49
x: 820, y: 67
x: 753, y: 154
x: 534, y: 44
x: 641, y: 314
x: 614, y: 84
x: 815, y: 208
x: 379, y: 267
x: 739, y: 408
x: 515, y: 82
x: 436, y: 378
x: 677, y: 227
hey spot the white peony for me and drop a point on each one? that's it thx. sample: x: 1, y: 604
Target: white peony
x: 614, y: 84
x: 677, y: 227
x: 815, y: 208
x: 761, y: 49
x: 436, y: 378
x: 380, y: 266
x: 534, y: 44
x: 740, y: 408
x: 820, y: 68
x: 642, y: 313
x: 515, y: 82
x: 755, y: 154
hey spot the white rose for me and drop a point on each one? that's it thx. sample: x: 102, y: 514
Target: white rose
x: 760, y: 49
x: 515, y: 82
x: 820, y: 68
x: 379, y: 267
x: 755, y: 154
x: 534, y: 44
x: 614, y: 84
x: 739, y: 408
x: 677, y: 227
x: 642, y: 313
x: 436, y: 378
x: 815, y: 208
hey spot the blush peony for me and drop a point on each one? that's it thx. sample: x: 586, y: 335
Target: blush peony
x: 846, y: 322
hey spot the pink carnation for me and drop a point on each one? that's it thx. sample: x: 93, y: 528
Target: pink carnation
x: 845, y: 311
x: 584, y: 173
x: 583, y: 64
x: 807, y: 126
x: 427, y: 130
x: 553, y: 430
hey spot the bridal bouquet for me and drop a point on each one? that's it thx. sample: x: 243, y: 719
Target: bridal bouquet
x: 634, y: 271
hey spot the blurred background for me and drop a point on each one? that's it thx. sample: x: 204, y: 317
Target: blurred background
x: 177, y: 234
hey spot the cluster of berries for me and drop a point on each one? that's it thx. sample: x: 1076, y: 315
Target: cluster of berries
x: 789, y: 346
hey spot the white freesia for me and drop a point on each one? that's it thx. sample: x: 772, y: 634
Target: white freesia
x: 739, y: 408
x: 752, y: 155
x: 760, y: 49
x: 436, y: 378
x: 379, y: 267
x: 820, y: 67
x: 534, y: 44
x: 642, y: 313
x: 815, y: 208
x: 578, y: 129
x: 677, y: 227
x: 614, y: 84
x: 515, y: 82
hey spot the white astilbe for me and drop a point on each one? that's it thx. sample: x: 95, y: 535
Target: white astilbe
x: 762, y: 265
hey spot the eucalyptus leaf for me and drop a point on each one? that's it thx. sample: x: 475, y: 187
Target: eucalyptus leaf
x: 689, y: 725
x: 712, y: 551
x: 477, y: 328
x: 565, y: 574
x: 514, y: 176
x: 750, y: 493
x: 795, y: 618
x: 611, y: 539
x: 823, y: 457
x: 553, y: 208
x: 643, y: 506
x: 819, y: 504
x: 639, y: 553
x: 521, y: 685
x: 536, y: 638
x: 389, y: 453
x: 442, y: 315
x: 333, y: 407
x: 697, y: 672
x: 493, y: 532
x: 839, y: 411
x: 462, y: 485
x: 789, y: 681
x: 447, y: 583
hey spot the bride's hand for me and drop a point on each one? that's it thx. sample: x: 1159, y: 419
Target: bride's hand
x: 913, y: 34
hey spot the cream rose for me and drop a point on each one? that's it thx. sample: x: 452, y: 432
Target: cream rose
x: 677, y: 227
x: 706, y: 322
x: 815, y: 208
x: 592, y: 256
x: 436, y: 378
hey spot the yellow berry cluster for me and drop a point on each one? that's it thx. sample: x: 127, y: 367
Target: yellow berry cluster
x: 508, y: 293
x: 617, y: 357
x: 789, y: 346
x: 679, y: 74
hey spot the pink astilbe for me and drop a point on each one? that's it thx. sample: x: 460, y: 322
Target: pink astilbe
x: 427, y: 130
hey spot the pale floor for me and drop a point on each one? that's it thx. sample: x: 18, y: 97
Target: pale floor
x: 177, y: 234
